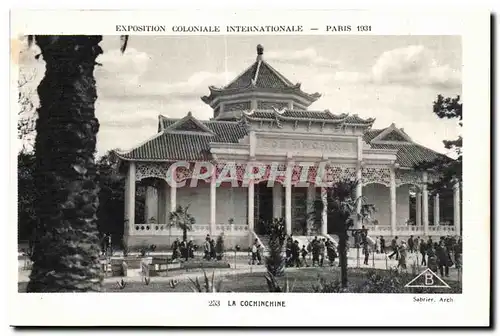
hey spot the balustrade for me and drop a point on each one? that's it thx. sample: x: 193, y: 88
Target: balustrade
x: 197, y: 229
x: 407, y: 230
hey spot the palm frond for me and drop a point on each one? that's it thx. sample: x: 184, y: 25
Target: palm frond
x: 207, y: 282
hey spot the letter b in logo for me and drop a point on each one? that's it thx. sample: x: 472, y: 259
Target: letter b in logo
x: 429, y: 279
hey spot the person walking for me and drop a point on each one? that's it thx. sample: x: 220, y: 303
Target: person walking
x: 322, y: 250
x: 296, y: 253
x: 206, y: 249
x: 382, y: 244
x: 175, y: 249
x: 411, y: 243
x: 190, y: 249
x: 394, y: 247
x: 403, y: 249
x: 213, y: 252
x: 255, y: 251
x: 303, y: 252
x: 366, y: 253
x: 432, y: 263
x: 458, y: 253
x: 288, y: 251
x: 377, y: 245
x: 443, y: 259
x: 423, y: 251
x: 315, y: 251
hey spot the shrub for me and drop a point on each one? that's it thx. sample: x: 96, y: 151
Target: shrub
x: 382, y: 281
x: 328, y: 287
x: 273, y: 285
x: 275, y: 262
x: 208, y: 286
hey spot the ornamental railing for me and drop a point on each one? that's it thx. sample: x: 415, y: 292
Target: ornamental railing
x: 197, y: 229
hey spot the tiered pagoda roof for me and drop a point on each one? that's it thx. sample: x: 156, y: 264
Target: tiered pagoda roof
x: 259, y: 77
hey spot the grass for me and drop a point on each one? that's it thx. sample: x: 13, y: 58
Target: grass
x: 303, y: 280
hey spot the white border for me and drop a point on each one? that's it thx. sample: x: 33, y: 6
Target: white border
x: 335, y: 310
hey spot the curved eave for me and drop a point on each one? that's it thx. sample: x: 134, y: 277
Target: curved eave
x: 216, y: 92
x: 367, y: 124
x: 283, y: 118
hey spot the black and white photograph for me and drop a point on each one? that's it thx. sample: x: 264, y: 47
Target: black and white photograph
x: 262, y: 161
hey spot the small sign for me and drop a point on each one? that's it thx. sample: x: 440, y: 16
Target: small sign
x: 427, y: 279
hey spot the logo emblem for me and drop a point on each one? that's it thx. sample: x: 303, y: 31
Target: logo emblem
x: 427, y: 279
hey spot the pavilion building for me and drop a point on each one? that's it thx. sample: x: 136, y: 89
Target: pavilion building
x: 263, y: 117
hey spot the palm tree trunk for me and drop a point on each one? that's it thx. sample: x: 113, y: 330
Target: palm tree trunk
x: 66, y: 253
x: 184, y: 234
x: 343, y: 258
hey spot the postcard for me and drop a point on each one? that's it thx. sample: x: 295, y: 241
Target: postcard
x: 243, y: 168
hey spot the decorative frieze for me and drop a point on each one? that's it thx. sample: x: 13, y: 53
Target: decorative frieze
x: 408, y: 177
x: 151, y: 169
x: 269, y: 105
x: 231, y: 171
x: 304, y: 145
x: 380, y: 175
x: 240, y: 106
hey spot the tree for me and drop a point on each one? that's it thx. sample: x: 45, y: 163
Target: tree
x: 450, y: 170
x: 25, y: 195
x: 111, y: 182
x: 66, y: 251
x: 343, y: 209
x: 275, y: 262
x: 27, y: 113
x: 182, y: 219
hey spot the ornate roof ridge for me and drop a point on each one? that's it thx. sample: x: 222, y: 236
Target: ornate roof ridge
x: 162, y: 117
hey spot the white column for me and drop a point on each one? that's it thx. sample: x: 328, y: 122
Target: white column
x: 418, y: 209
x: 173, y: 193
x: 359, y: 178
x: 213, y: 192
x: 311, y: 197
x: 359, y: 193
x: 277, y: 200
x: 251, y: 196
x: 130, y: 214
x: 436, y: 210
x: 393, y: 201
x: 288, y: 200
x: 151, y: 205
x: 456, y: 207
x: 425, y: 204
x: 324, y: 213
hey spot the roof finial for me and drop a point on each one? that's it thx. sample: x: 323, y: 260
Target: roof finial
x: 260, y: 52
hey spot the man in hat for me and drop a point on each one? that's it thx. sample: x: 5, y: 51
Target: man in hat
x: 403, y: 249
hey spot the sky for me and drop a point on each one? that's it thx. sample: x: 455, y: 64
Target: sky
x: 393, y: 79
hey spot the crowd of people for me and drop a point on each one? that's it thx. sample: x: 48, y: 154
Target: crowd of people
x: 436, y: 255
x: 183, y: 249
x: 318, y: 248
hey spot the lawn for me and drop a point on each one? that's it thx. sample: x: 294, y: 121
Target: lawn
x: 301, y: 281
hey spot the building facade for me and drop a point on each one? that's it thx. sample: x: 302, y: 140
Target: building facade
x: 261, y: 119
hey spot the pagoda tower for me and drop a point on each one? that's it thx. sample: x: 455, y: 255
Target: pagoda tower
x: 259, y: 87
